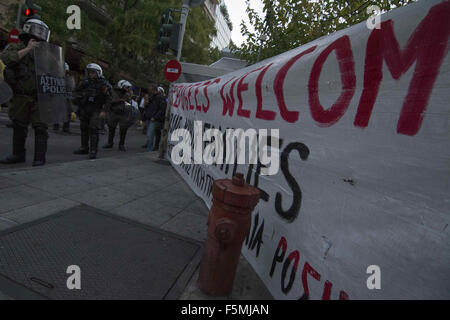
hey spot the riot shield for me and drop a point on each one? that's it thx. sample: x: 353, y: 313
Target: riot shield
x: 131, y: 113
x: 51, y: 83
x: 70, y: 87
x: 5, y: 92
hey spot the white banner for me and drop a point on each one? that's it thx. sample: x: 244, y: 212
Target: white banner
x: 360, y: 205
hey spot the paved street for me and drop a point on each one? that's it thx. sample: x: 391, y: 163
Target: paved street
x: 62, y: 145
x: 130, y: 185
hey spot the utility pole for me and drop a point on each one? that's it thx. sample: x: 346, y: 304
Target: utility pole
x: 262, y: 38
x: 183, y: 19
x: 19, y: 13
x: 187, y: 5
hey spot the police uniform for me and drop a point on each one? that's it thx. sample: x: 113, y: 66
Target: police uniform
x: 91, y: 96
x: 122, y: 113
x: 23, y: 108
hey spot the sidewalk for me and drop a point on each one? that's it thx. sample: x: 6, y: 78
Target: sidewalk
x: 4, y: 119
x: 134, y: 187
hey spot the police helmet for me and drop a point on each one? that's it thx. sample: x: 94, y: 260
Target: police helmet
x: 123, y: 84
x: 96, y: 68
x: 36, y: 28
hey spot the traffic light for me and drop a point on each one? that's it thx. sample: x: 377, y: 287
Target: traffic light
x: 168, y: 33
x: 29, y: 10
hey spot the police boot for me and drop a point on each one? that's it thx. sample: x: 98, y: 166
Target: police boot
x: 94, y: 145
x: 123, y: 134
x: 111, y: 133
x: 40, y: 146
x: 66, y: 127
x: 19, y: 152
x: 84, y: 143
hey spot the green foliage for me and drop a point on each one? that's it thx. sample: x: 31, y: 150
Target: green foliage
x: 199, y: 32
x: 214, y: 54
x: 8, y: 18
x: 128, y: 42
x: 226, y: 15
x: 291, y: 23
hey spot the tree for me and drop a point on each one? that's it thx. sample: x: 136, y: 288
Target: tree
x: 129, y: 41
x: 8, y: 17
x: 134, y: 34
x: 89, y: 38
x: 292, y: 23
x: 214, y: 54
x: 200, y: 30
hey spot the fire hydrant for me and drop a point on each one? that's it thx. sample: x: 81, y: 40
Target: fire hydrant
x: 229, y: 222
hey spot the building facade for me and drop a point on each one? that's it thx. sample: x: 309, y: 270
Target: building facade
x: 222, y: 40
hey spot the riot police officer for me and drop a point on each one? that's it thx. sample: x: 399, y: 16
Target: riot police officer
x: 91, y: 95
x: 20, y: 74
x: 121, y: 112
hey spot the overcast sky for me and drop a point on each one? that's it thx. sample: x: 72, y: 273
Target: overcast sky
x: 236, y: 9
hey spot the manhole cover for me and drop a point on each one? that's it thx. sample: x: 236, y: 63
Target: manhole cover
x: 118, y: 258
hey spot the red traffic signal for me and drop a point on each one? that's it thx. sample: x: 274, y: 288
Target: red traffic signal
x: 29, y: 12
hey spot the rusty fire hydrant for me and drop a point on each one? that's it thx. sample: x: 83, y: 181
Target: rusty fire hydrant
x: 229, y: 222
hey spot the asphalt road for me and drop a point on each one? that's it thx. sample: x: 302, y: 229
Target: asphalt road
x: 62, y: 145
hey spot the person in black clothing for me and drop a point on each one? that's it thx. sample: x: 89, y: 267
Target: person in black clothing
x: 91, y: 95
x: 155, y: 112
x: 158, y: 130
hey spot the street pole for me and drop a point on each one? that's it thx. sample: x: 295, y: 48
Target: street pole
x: 187, y: 5
x: 183, y: 20
x: 165, y: 131
x: 19, y: 13
x: 261, y: 39
x: 259, y: 53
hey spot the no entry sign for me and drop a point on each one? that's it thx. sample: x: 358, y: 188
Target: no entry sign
x: 13, y: 36
x: 172, y: 71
